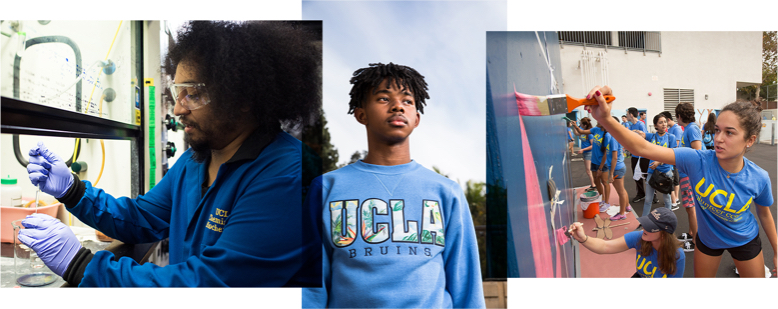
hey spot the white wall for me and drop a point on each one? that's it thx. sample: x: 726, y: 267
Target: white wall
x: 711, y: 63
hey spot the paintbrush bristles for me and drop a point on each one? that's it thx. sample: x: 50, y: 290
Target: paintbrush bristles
x: 529, y: 104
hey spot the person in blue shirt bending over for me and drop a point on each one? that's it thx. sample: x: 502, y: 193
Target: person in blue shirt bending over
x: 586, y: 149
x: 396, y: 235
x: 725, y: 183
x: 658, y: 253
x: 232, y: 203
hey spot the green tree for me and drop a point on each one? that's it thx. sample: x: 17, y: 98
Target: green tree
x: 356, y: 156
x: 475, y: 193
x: 476, y: 198
x: 317, y: 137
x: 329, y: 152
x: 437, y: 170
x: 769, y: 58
x: 768, y: 65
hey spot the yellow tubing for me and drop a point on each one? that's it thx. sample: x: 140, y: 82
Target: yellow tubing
x: 100, y: 113
x: 102, y: 145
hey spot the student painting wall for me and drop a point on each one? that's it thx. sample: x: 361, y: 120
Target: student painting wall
x: 517, y: 59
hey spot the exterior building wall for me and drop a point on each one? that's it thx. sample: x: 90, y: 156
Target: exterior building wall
x: 711, y: 63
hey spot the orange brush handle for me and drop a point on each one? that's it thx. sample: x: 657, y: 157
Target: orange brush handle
x: 572, y: 103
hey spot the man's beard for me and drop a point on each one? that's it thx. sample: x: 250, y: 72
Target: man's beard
x: 201, y: 148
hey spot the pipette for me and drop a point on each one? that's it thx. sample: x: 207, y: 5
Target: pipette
x: 37, y: 193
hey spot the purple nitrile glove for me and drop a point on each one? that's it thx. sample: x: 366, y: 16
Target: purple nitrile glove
x: 48, y: 171
x: 51, y: 239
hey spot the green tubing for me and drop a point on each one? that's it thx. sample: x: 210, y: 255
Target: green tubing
x: 152, y: 139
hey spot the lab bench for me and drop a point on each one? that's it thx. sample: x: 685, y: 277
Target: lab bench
x: 139, y: 252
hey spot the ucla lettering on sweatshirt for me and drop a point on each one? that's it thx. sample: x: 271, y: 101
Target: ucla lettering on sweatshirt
x: 395, y: 237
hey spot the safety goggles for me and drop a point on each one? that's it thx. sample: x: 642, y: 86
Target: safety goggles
x: 191, y: 96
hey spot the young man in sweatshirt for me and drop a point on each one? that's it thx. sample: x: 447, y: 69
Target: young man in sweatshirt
x: 395, y: 234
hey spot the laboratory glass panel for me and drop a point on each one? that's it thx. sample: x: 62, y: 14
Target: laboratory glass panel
x: 80, y: 66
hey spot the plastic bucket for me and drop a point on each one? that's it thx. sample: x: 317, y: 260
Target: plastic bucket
x: 592, y: 210
x: 8, y: 214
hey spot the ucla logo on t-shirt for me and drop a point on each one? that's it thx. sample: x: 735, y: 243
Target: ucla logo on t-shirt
x: 373, y: 223
x: 645, y: 269
x: 657, y: 142
x: 719, y: 202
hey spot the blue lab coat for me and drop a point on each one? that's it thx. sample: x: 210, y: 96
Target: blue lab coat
x: 245, y: 231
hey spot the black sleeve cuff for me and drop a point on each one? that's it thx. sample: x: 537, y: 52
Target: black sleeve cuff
x: 77, y: 266
x: 74, y: 194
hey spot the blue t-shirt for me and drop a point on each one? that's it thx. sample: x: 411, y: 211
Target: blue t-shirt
x: 395, y: 237
x: 638, y: 126
x: 648, y: 266
x: 587, y: 142
x: 667, y: 141
x: 722, y: 200
x: 677, y: 131
x: 625, y: 124
x: 596, y: 148
x: 611, y: 144
x: 690, y: 133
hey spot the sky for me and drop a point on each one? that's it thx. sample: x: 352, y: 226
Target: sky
x: 445, y: 42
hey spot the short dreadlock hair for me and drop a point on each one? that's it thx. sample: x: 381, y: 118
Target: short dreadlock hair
x: 403, y: 77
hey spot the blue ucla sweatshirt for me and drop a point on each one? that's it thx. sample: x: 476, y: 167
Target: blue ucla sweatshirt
x: 395, y: 237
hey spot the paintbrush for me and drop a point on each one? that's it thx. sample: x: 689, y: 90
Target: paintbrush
x: 530, y: 105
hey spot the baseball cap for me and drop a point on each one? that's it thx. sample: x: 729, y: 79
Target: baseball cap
x: 660, y: 219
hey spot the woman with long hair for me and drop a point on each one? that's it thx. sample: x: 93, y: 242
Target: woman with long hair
x: 663, y: 139
x: 726, y: 185
x: 658, y: 252
x: 586, y: 150
x: 708, y: 131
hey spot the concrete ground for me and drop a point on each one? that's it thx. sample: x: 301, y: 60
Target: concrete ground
x: 766, y: 156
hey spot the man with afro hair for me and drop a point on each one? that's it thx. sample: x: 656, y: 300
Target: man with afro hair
x: 231, y: 205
